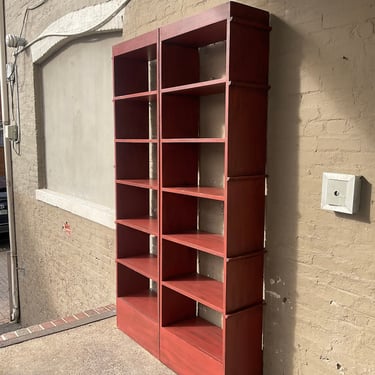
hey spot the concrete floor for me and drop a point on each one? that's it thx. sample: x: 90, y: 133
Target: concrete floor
x: 96, y: 348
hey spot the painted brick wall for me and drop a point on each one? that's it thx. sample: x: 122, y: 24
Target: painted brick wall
x: 320, y: 267
x: 59, y: 274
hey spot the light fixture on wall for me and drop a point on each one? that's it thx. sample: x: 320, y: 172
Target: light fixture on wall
x: 15, y: 41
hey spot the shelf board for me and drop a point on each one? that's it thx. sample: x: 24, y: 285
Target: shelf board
x: 193, y: 140
x: 145, y: 302
x: 146, y: 265
x: 199, y: 288
x: 198, y: 191
x: 208, y: 242
x: 201, y: 334
x: 135, y: 140
x: 144, y: 224
x: 139, y: 96
x: 142, y: 183
x: 142, y: 47
x: 214, y: 86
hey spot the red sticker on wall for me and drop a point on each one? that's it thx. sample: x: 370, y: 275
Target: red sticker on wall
x: 67, y: 229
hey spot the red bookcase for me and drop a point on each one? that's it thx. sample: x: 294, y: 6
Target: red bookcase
x: 190, y: 103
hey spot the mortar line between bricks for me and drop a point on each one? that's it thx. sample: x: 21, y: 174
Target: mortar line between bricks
x: 49, y: 327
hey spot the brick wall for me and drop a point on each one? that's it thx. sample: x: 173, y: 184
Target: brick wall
x: 59, y: 274
x: 320, y: 267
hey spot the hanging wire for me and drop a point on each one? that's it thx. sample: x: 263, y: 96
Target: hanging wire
x: 25, y: 16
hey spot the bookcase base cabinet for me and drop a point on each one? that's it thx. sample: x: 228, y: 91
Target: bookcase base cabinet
x: 138, y: 326
x: 189, y: 348
x: 190, y: 108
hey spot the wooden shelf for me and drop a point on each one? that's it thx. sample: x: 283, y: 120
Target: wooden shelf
x: 142, y: 183
x: 145, y: 224
x: 199, y: 191
x: 200, y: 334
x: 214, y: 86
x: 144, y: 302
x: 193, y: 140
x: 200, y: 288
x: 136, y: 140
x: 146, y: 265
x: 208, y: 242
x: 196, y: 32
x: 143, y: 48
x: 142, y: 96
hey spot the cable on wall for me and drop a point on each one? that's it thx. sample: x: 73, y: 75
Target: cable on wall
x: 76, y: 34
x: 20, y: 44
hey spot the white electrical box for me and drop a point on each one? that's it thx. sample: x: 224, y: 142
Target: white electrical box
x: 341, y: 192
x: 10, y: 132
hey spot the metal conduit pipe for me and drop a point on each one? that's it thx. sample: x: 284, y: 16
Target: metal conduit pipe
x: 15, y: 312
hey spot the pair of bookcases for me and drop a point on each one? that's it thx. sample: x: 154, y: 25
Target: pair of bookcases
x: 190, y: 103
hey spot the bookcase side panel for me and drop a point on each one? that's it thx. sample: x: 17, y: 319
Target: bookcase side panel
x: 243, y: 342
x: 245, y: 215
x: 244, y: 282
x: 246, y: 131
x: 248, y: 49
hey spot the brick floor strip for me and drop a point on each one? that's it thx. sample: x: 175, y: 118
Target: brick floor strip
x: 35, y: 328
x: 57, y: 325
x: 69, y: 319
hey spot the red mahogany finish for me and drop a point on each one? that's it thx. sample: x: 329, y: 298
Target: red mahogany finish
x: 190, y: 105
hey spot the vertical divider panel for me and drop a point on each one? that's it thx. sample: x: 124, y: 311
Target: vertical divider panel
x: 159, y: 195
